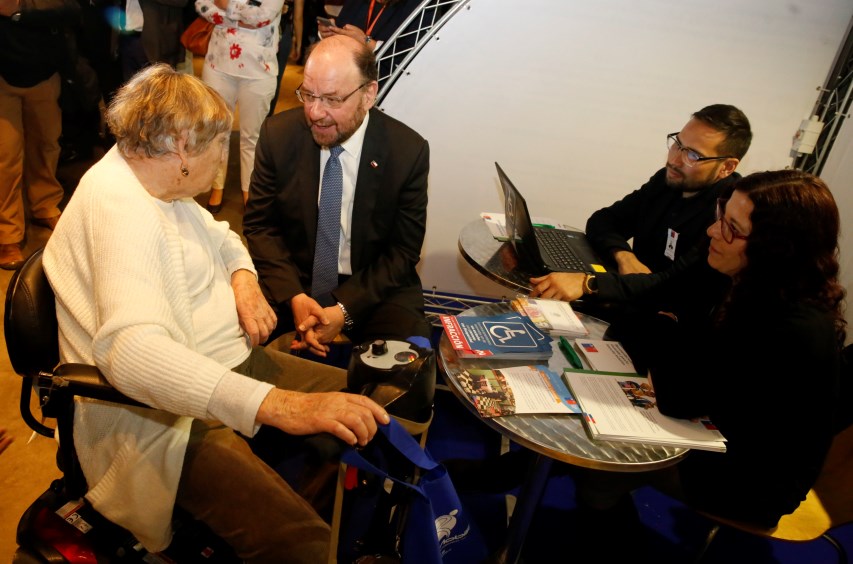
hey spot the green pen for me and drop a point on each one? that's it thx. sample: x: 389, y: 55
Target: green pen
x: 544, y: 225
x: 570, y: 353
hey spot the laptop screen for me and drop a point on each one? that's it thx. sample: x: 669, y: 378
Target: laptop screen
x: 519, y: 226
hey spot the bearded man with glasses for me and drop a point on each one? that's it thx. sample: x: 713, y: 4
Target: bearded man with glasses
x: 374, y: 291
x: 666, y: 218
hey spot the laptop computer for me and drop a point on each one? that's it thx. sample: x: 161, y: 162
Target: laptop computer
x: 544, y: 249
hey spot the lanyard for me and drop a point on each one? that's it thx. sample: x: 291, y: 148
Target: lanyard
x: 370, y: 24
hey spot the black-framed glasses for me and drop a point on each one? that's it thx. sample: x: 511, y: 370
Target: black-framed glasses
x: 689, y: 156
x: 727, y: 230
x: 330, y: 102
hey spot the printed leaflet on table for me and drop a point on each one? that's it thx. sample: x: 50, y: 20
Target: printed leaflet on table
x: 516, y: 390
x: 605, y: 356
x: 504, y: 336
x: 619, y: 407
x: 555, y: 317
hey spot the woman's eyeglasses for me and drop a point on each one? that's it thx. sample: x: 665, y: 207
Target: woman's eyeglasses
x: 727, y: 230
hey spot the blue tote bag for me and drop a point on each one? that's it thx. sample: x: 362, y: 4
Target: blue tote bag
x: 437, y: 528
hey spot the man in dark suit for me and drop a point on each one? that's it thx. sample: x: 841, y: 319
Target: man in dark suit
x: 384, y: 165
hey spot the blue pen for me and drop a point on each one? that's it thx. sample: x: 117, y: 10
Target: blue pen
x: 570, y: 353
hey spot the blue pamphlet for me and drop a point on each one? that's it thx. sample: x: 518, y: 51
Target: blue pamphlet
x: 506, y: 336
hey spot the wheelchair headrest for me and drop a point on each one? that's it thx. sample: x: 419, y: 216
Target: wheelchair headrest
x: 32, y: 334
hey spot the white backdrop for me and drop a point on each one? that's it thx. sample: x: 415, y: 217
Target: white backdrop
x: 574, y: 100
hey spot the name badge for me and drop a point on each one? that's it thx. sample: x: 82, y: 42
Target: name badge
x: 671, y: 241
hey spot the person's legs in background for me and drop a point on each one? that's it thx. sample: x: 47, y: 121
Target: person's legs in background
x: 284, y: 46
x: 132, y: 54
x: 11, y: 175
x: 253, y: 99
x: 28, y: 162
x: 227, y: 87
x: 42, y: 128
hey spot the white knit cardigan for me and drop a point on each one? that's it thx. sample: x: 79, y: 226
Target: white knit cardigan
x: 116, y: 265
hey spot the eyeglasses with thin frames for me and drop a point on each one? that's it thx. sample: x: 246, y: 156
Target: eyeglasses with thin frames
x: 689, y: 156
x: 330, y: 102
x: 727, y: 230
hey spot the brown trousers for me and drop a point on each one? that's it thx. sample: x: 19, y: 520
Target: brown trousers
x: 30, y: 125
x: 244, y: 501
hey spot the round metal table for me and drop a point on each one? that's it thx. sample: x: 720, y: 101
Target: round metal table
x: 552, y: 437
x: 561, y: 437
x: 494, y: 259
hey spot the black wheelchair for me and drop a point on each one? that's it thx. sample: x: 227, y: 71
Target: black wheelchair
x: 61, y: 526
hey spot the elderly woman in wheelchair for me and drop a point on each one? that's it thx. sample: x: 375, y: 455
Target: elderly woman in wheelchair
x: 164, y: 300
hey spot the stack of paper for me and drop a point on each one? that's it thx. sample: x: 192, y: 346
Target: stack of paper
x: 555, y: 317
x: 623, y: 408
x: 507, y: 335
x: 605, y: 356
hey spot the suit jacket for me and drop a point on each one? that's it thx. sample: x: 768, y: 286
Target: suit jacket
x: 388, y: 216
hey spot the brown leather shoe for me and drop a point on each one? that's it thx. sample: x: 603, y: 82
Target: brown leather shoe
x: 10, y: 256
x: 47, y: 222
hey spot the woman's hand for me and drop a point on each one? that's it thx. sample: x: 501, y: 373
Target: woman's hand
x: 350, y: 417
x: 254, y: 312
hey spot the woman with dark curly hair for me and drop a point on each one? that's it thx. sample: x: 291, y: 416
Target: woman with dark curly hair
x: 763, y: 366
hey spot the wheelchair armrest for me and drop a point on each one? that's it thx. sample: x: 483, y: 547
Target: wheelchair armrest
x: 85, y: 380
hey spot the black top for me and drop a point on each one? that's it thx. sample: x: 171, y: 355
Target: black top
x: 768, y: 381
x: 684, y: 281
x: 648, y: 213
x: 355, y: 12
x: 34, y: 48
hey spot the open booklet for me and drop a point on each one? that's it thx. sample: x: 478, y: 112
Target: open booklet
x: 554, y: 317
x: 517, y: 390
x: 620, y: 407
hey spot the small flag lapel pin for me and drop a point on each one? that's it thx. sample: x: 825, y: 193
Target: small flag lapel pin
x: 374, y: 164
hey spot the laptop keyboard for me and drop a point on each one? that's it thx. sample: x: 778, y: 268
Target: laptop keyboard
x: 554, y: 242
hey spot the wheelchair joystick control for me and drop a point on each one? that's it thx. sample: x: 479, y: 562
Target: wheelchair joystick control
x: 379, y: 347
x: 398, y: 375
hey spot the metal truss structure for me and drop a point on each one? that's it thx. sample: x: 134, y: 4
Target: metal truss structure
x: 442, y: 303
x: 396, y: 53
x: 393, y: 58
x: 832, y: 107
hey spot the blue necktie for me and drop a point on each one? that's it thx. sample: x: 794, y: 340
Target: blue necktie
x: 324, y: 277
